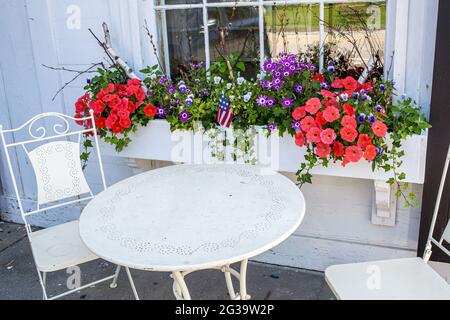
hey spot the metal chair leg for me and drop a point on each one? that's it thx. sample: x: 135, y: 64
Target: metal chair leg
x: 42, y: 280
x: 136, y: 296
x: 113, y: 284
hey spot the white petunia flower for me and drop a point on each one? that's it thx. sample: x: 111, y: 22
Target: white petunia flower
x: 229, y: 85
x: 217, y: 80
x: 231, y: 98
x: 240, y: 80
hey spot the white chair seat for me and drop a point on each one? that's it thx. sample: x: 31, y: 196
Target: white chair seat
x: 400, y: 279
x: 59, y: 247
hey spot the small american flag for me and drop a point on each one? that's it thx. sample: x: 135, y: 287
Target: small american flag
x: 225, y: 114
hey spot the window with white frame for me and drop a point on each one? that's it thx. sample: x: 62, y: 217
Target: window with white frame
x: 201, y: 31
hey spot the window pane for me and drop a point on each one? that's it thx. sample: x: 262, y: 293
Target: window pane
x: 291, y: 28
x: 357, y: 30
x: 235, y: 30
x: 185, y: 37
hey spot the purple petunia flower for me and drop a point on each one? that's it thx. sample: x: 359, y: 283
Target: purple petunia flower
x: 382, y: 87
x: 287, y: 102
x: 312, y: 68
x: 362, y: 118
x: 261, y: 101
x: 372, y: 118
x: 163, y: 80
x: 184, y: 116
x: 355, y: 95
x: 364, y: 98
x: 189, y: 102
x: 272, y: 127
x: 380, y: 151
x: 299, y: 88
x: 161, y: 112
x: 276, y: 81
x: 270, y: 102
x: 171, y: 89
x: 325, y: 85
x: 296, y: 125
x: 378, y: 108
x: 268, y: 66
x: 88, y: 81
x: 286, y: 74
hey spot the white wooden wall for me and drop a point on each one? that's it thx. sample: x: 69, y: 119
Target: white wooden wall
x: 337, y: 227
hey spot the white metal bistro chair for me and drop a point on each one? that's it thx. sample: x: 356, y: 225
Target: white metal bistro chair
x: 60, y: 182
x: 398, y: 279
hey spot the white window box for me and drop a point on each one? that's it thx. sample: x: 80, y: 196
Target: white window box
x: 157, y: 142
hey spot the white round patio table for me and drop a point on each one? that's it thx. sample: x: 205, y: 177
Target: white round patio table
x: 186, y: 218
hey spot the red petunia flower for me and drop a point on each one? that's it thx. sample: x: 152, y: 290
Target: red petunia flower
x: 80, y: 106
x: 313, y: 105
x: 100, y: 122
x: 123, y: 114
x: 350, y: 83
x: 110, y: 121
x: 150, y: 110
x: 307, y: 123
x: 117, y: 128
x: 125, y: 122
x: 337, y: 84
x: 328, y: 94
x: 379, y: 129
x: 135, y: 82
x: 353, y: 153
x: 349, y: 109
x: 299, y: 113
x: 313, y: 135
x: 364, y: 140
x: 331, y: 114
x: 331, y: 103
x: 328, y: 136
x: 338, y: 149
x: 370, y: 153
x: 323, y: 150
x: 348, y: 121
x: 320, y: 120
x: 300, y: 139
x: 79, y: 122
x: 349, y: 134
x: 318, y: 77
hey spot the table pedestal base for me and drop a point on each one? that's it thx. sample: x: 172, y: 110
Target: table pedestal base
x: 181, y: 291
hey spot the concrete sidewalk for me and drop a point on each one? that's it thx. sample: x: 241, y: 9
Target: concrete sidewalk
x: 19, y: 280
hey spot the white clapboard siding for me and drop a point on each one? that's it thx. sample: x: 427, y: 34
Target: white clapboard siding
x: 337, y: 227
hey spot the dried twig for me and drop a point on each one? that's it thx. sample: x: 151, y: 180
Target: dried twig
x: 79, y: 73
x: 155, y: 51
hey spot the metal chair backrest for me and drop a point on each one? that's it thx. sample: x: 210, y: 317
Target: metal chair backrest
x: 446, y: 234
x: 56, y: 164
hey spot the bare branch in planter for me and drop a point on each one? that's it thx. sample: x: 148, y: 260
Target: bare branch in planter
x: 79, y: 73
x: 117, y: 59
x: 155, y: 51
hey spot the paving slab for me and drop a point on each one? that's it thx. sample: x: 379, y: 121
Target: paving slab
x: 19, y: 280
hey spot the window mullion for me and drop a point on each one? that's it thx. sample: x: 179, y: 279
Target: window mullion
x: 322, y: 35
x: 206, y: 34
x: 261, y: 34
